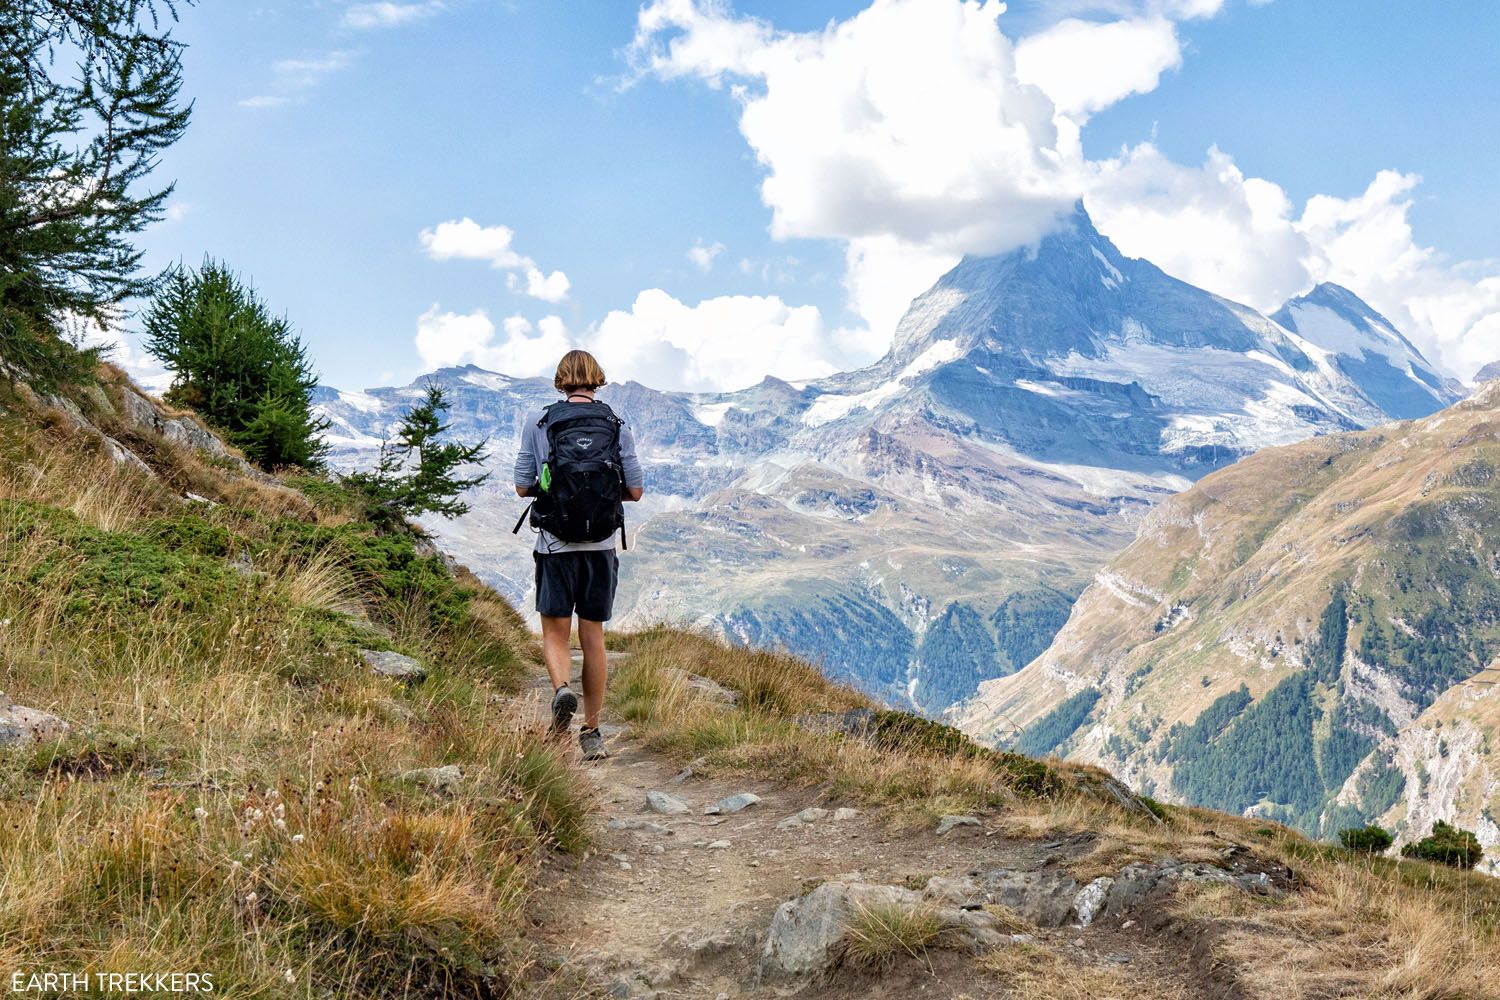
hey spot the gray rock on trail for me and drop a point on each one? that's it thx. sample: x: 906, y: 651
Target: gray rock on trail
x: 1044, y: 898
x: 732, y: 804
x: 666, y: 805
x: 948, y: 823
x: 394, y: 665
x: 806, y: 817
x: 1050, y: 897
x: 1089, y: 901
x: 19, y: 724
x: 807, y: 934
x: 438, y: 779
x: 844, y: 813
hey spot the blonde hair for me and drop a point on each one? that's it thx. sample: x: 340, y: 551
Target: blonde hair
x: 578, y: 371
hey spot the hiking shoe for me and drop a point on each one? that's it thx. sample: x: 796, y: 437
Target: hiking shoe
x: 592, y: 743
x: 564, y: 704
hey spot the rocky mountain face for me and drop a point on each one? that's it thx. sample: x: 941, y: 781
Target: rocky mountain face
x: 1488, y: 373
x: 923, y: 525
x: 1364, y: 345
x: 1310, y: 635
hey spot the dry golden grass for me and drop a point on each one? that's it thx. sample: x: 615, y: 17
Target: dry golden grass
x: 229, y: 797
x: 1040, y: 971
x: 760, y: 735
x: 1356, y: 931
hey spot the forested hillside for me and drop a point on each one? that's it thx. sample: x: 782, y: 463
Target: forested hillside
x: 1304, y: 636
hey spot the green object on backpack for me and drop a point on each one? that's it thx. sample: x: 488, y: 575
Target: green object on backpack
x: 546, y: 477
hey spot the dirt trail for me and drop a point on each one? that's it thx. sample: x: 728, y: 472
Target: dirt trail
x: 678, y: 906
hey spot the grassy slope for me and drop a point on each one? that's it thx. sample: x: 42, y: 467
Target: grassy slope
x: 229, y: 799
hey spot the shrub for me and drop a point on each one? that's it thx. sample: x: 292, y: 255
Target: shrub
x: 1367, y: 840
x: 1446, y: 845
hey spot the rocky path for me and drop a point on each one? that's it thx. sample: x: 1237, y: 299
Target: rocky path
x: 678, y: 903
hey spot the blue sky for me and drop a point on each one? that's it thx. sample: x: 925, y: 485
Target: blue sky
x: 327, y: 138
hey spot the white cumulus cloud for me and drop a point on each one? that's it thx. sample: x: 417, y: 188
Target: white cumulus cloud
x: 465, y: 239
x: 1085, y: 66
x: 445, y: 339
x: 722, y: 343
x: 362, y: 16
x: 702, y: 254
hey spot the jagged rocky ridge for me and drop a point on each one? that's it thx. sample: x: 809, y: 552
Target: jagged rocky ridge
x: 924, y: 524
x: 1311, y: 635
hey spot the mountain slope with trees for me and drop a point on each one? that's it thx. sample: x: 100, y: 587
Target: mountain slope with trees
x: 1310, y: 635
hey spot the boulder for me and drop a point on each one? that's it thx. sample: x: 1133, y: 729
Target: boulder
x: 1044, y: 898
x: 805, y: 934
x: 19, y: 724
x: 707, y: 687
x: 394, y: 665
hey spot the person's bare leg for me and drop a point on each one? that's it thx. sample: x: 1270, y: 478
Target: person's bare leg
x: 555, y: 652
x: 595, y: 670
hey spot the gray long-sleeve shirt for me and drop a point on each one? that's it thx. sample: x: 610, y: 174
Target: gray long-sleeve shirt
x: 535, y: 450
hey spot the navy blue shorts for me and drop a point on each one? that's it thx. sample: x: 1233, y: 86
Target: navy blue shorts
x: 581, y: 583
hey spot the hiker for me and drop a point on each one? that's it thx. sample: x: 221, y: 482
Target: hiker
x: 577, y: 464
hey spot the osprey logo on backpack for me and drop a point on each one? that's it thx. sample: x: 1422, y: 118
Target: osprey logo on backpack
x: 582, y: 482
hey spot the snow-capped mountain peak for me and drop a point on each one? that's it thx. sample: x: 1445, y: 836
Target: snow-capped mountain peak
x: 1369, y: 350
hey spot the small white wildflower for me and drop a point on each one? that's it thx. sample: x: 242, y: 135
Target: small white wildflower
x: 281, y: 824
x: 235, y: 866
x: 200, y: 813
x: 288, y: 976
x: 251, y: 897
x: 5, y: 623
x: 297, y: 838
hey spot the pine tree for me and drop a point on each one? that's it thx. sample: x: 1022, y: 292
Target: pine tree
x: 418, y: 471
x: 88, y: 102
x: 238, y: 365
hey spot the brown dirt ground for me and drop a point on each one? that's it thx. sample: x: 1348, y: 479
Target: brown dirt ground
x: 673, y: 917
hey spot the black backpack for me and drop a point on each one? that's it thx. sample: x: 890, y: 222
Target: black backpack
x: 581, y: 488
